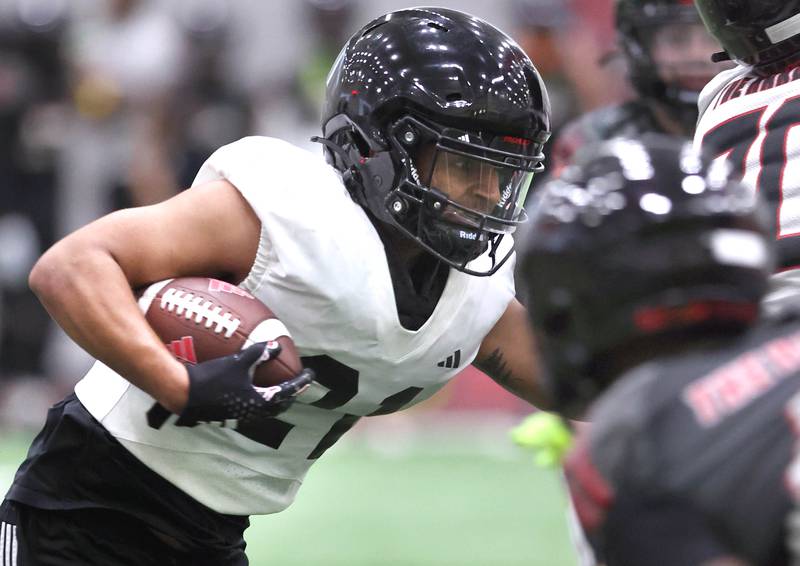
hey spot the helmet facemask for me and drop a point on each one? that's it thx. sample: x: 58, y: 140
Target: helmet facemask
x: 459, y: 193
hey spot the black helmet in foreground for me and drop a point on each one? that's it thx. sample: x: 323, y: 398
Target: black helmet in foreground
x: 762, y: 33
x: 637, y: 243
x: 436, y: 120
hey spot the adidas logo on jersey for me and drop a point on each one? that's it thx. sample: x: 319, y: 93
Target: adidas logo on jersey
x: 451, y: 361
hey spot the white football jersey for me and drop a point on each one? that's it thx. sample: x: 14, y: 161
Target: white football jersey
x: 321, y: 267
x: 750, y: 121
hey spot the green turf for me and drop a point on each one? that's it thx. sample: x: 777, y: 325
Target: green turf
x: 422, y: 506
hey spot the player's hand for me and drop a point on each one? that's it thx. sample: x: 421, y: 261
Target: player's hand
x: 222, y: 391
x: 547, y: 435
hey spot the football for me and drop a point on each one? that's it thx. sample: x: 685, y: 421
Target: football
x: 199, y: 318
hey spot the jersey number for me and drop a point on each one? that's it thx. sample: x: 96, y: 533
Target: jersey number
x: 342, y: 384
x: 738, y: 137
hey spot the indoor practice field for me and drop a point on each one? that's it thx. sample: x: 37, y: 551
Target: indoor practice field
x: 394, y: 498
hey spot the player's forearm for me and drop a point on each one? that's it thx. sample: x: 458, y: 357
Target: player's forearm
x: 525, y: 386
x: 87, y: 294
x: 508, y: 355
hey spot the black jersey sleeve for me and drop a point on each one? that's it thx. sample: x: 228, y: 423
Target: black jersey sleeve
x: 642, y: 532
x: 685, y: 460
x: 629, y: 527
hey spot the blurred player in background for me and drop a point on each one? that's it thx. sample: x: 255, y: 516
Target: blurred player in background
x: 389, y: 264
x: 207, y: 110
x: 33, y: 85
x: 590, y: 32
x: 667, y: 51
x: 646, y: 267
x: 543, y: 27
x: 125, y: 58
x: 331, y: 24
x: 748, y: 116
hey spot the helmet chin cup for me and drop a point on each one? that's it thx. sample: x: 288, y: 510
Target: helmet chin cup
x: 460, y: 245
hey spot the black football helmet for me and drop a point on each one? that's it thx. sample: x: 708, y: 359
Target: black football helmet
x: 436, y: 120
x: 762, y: 33
x: 636, y: 21
x: 639, y: 241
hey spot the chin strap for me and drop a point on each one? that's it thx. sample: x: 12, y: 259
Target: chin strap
x: 720, y: 57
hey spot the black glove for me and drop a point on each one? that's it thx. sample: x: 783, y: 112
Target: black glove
x: 222, y: 391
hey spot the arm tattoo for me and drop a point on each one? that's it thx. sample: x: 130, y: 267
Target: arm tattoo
x: 495, y: 367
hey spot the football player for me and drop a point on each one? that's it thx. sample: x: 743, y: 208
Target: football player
x: 391, y: 264
x: 748, y: 115
x: 667, y: 50
x: 646, y: 267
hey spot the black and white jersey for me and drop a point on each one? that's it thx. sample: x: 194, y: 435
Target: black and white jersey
x: 750, y: 121
x: 321, y: 267
x: 689, y: 458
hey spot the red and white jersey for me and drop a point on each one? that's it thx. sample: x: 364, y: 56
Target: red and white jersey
x: 321, y: 267
x: 750, y: 121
